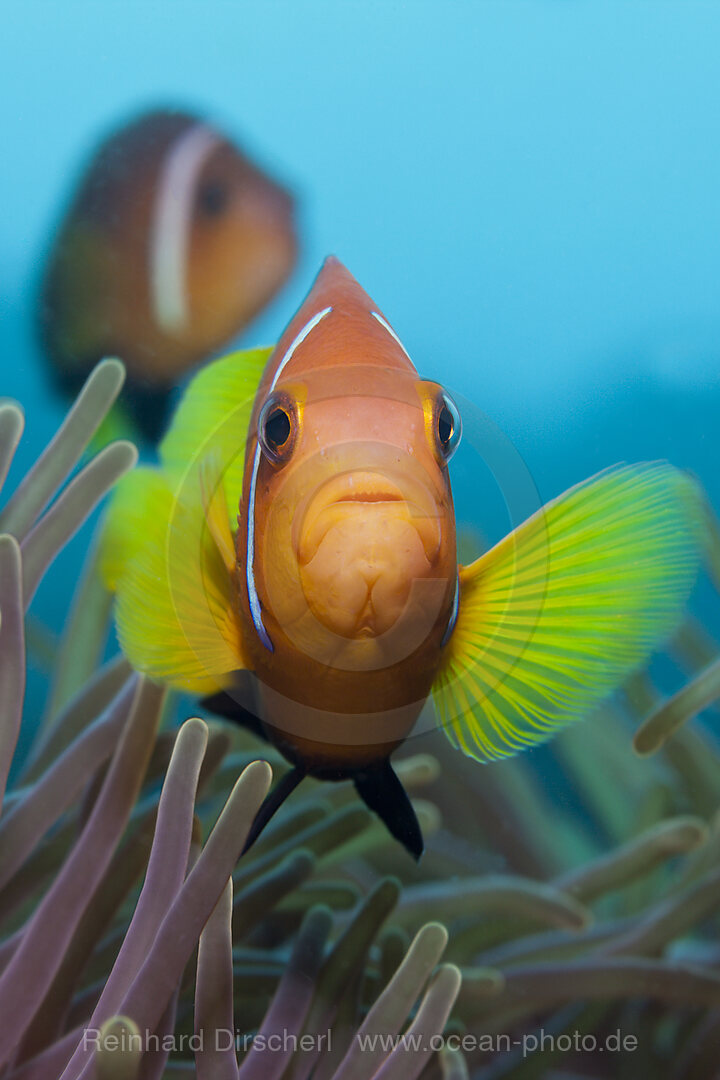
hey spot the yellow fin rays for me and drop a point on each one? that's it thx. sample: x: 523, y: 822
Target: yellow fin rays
x: 168, y: 549
x: 559, y: 613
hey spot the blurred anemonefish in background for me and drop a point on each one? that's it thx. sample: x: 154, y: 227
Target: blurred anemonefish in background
x: 173, y: 242
x: 300, y: 526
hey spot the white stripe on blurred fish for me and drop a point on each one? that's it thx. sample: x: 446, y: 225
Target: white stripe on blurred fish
x: 173, y: 242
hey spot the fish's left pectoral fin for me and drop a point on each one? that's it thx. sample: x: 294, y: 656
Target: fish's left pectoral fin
x: 382, y: 792
x: 560, y: 613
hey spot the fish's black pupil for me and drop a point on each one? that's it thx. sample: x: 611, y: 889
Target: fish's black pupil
x: 213, y: 198
x: 445, y: 425
x: 277, y: 428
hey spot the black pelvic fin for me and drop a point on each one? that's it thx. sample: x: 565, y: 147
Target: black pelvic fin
x: 273, y: 801
x: 380, y: 789
x: 224, y: 705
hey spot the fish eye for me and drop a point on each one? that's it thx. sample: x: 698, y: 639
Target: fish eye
x: 448, y: 425
x: 276, y: 429
x: 213, y: 198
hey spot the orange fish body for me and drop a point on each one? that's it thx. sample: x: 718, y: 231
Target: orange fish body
x: 346, y: 537
x: 174, y: 241
x: 300, y: 527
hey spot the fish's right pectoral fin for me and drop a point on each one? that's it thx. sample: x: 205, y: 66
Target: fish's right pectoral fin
x: 168, y: 549
x: 212, y: 421
x: 175, y: 613
x: 214, y: 501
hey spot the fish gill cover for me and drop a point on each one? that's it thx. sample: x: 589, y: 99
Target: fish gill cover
x: 125, y: 914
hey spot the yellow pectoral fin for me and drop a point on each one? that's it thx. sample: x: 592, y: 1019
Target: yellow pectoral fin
x: 214, y: 500
x: 213, y: 419
x: 559, y: 613
x: 168, y: 548
x: 175, y: 610
x: 125, y: 527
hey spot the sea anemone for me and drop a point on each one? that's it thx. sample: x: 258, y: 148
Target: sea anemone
x: 90, y: 963
x: 130, y: 948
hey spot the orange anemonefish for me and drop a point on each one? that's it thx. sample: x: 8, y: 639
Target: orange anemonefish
x: 173, y: 242
x: 300, y: 526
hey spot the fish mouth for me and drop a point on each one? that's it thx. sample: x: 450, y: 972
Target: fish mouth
x: 370, y: 497
x: 363, y: 487
x: 364, y: 538
x: 374, y: 495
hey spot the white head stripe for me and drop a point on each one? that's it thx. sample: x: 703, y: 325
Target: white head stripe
x: 453, y: 614
x: 297, y: 341
x: 253, y: 598
x: 170, y: 226
x: 391, y: 332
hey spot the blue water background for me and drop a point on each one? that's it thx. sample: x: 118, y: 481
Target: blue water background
x: 530, y: 191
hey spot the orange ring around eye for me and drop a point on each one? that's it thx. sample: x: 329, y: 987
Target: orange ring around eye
x: 277, y: 428
x: 436, y: 402
x: 448, y: 425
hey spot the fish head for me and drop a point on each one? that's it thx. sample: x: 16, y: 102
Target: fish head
x: 350, y: 521
x: 242, y: 244
x: 174, y: 241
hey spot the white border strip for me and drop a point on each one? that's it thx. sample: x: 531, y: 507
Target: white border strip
x: 253, y: 598
x: 391, y: 332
